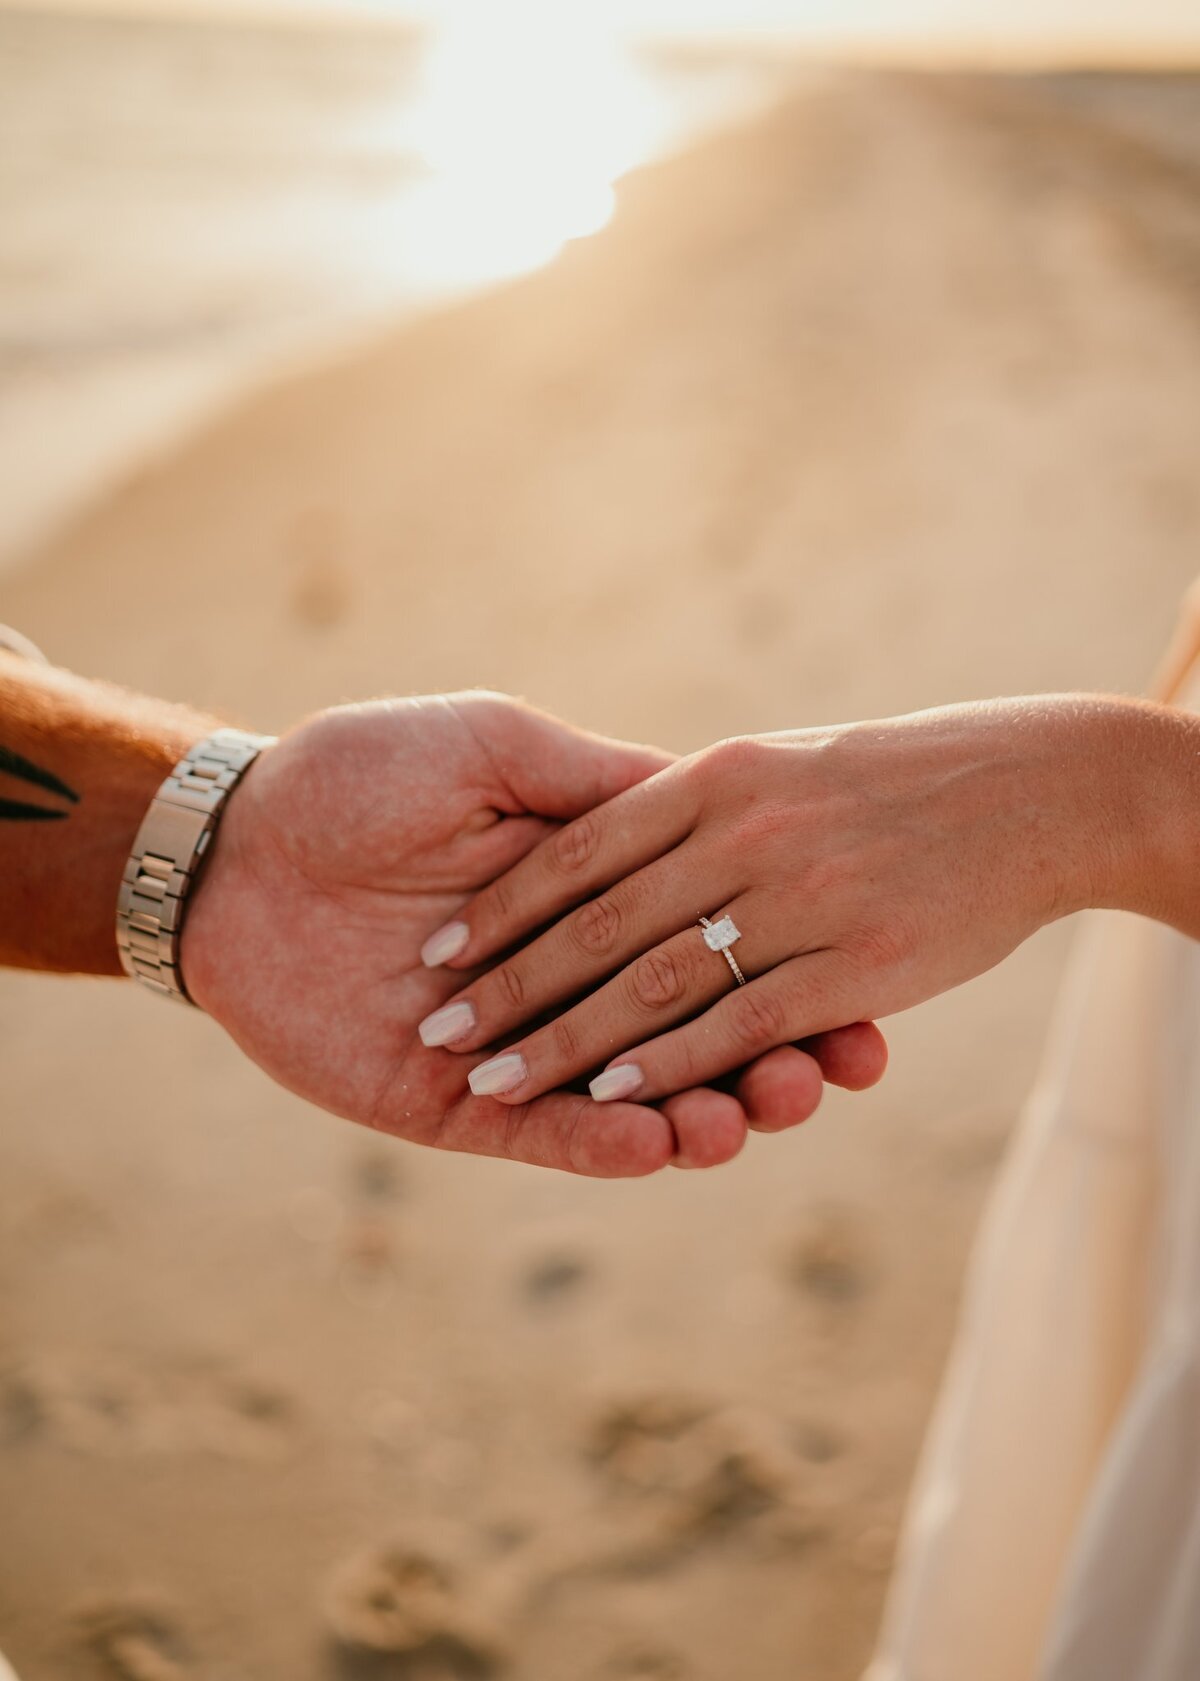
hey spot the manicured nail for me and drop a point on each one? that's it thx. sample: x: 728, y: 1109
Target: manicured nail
x: 446, y: 1025
x: 621, y: 1081
x: 439, y: 948
x: 502, y: 1073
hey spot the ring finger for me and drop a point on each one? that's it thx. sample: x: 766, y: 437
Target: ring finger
x: 570, y: 958
x: 666, y: 985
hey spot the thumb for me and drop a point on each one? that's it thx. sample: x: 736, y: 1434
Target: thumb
x: 551, y: 768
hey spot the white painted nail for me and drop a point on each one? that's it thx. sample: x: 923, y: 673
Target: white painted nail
x: 439, y: 948
x: 502, y: 1073
x: 446, y: 1025
x: 614, y: 1083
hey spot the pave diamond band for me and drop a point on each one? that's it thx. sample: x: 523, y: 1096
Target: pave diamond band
x: 719, y: 936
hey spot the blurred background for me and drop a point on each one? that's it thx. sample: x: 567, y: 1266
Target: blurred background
x: 691, y: 368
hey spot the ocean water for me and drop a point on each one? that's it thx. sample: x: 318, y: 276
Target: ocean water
x: 186, y: 206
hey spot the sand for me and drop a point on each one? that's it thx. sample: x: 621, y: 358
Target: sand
x: 891, y: 399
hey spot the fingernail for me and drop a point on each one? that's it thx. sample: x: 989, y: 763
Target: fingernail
x: 502, y: 1073
x: 446, y: 1025
x: 439, y: 948
x: 621, y: 1081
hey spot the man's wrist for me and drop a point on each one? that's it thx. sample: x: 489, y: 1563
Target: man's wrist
x: 169, y: 853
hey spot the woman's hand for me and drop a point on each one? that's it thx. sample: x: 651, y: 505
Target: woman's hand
x: 867, y: 868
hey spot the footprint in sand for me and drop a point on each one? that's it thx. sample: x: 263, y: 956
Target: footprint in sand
x: 553, y: 1277
x: 645, y: 1665
x: 22, y: 1413
x: 107, y: 1408
x: 368, y: 1263
x: 702, y: 1471
x: 829, y: 1261
x: 321, y: 587
x: 402, y: 1600
x: 136, y: 1642
x: 377, y: 1175
x: 817, y: 1442
x: 558, y: 1259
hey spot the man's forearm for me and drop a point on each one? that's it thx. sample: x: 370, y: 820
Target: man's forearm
x: 80, y: 762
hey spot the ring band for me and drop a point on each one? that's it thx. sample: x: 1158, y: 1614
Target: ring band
x: 719, y: 936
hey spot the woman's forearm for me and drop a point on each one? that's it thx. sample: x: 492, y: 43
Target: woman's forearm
x: 80, y: 762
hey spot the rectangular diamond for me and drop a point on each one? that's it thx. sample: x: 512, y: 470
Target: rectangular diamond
x: 721, y: 934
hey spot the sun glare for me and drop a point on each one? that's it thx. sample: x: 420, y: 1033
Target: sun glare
x: 524, y: 120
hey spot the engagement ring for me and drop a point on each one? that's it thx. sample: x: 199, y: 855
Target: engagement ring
x: 719, y: 936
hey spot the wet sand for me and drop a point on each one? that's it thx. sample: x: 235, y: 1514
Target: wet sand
x: 890, y: 399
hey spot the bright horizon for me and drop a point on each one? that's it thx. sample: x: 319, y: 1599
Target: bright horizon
x: 1103, y: 30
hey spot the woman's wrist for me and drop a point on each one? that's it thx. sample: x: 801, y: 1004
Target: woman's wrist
x: 1152, y: 774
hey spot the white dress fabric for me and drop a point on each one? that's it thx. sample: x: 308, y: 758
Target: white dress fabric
x: 1053, y: 1532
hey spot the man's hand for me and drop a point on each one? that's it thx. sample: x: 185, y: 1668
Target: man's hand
x: 342, y: 849
x: 354, y: 838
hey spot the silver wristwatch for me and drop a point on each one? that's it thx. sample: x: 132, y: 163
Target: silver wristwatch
x: 173, y: 839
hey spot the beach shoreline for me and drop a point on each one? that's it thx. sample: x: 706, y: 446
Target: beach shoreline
x: 246, y: 215
x: 113, y: 350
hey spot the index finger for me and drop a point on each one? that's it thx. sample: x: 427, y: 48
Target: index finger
x: 580, y: 859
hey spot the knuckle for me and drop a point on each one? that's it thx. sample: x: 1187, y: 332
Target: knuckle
x: 564, y: 1036
x: 734, y: 756
x: 758, y: 1019
x: 657, y: 980
x: 509, y: 985
x: 499, y: 903
x: 597, y: 926
x: 572, y: 848
x: 886, y: 944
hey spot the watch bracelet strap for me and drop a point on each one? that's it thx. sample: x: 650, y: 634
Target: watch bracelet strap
x: 171, y: 844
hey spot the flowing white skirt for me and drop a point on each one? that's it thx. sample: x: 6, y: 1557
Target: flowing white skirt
x: 1053, y: 1532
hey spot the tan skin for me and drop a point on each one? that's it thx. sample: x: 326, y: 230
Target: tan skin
x: 868, y: 867
x: 343, y: 848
